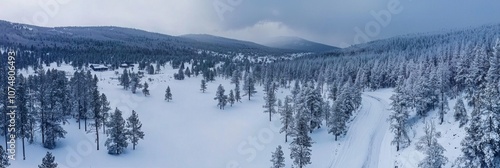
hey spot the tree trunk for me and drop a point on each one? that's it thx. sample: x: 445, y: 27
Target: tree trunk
x: 85, y: 119
x: 269, y: 114
x: 97, y: 135
x: 24, y: 154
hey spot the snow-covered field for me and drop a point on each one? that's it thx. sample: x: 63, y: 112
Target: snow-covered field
x: 191, y: 131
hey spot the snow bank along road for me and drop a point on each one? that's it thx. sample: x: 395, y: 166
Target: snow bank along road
x: 367, y: 143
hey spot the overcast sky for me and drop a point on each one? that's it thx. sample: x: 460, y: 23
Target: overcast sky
x: 334, y: 22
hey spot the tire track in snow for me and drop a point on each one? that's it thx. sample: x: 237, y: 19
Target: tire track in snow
x: 361, y: 146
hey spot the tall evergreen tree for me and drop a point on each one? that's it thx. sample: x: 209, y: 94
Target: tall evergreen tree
x: 117, y: 140
x: 4, y: 158
x: 278, y: 159
x: 300, y: 148
x: 287, y: 120
x: 96, y: 113
x: 125, y: 79
x: 168, y: 94
x: 54, y: 116
x: 237, y: 94
x: 23, y: 114
x: 472, y: 155
x: 270, y: 99
x: 399, y: 117
x: 134, y: 132
x: 134, y: 82
x: 220, y: 97
x: 203, y: 85
x: 429, y: 145
x: 460, y: 113
x: 105, y: 111
x: 231, y: 98
x: 249, y: 85
x: 48, y: 161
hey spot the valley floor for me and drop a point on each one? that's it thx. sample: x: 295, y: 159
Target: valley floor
x: 190, y: 131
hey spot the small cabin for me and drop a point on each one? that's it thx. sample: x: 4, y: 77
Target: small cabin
x: 98, y: 67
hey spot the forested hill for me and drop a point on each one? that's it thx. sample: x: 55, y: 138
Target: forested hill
x: 422, y: 42
x: 117, y: 41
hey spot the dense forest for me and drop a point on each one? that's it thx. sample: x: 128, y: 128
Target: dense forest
x: 425, y: 70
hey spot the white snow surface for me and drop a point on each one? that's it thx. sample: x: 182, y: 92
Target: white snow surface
x: 191, y: 131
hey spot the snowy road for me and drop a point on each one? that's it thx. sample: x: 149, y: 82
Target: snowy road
x: 362, y: 146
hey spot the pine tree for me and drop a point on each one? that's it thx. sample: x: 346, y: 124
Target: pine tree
x: 235, y: 79
x: 231, y: 98
x: 472, y: 156
x: 399, y: 117
x: 105, y: 111
x: 117, y: 140
x: 4, y: 158
x: 278, y: 158
x: 54, y: 114
x: 286, y: 111
x: 134, y: 82
x: 300, y: 147
x: 296, y: 90
x: 237, y: 95
x: 168, y: 94
x: 187, y: 72
x: 134, y: 132
x: 203, y: 86
x: 145, y: 90
x: 460, y: 113
x: 97, y: 113
x: 23, y: 114
x: 339, y: 116
x: 48, y: 161
x: 429, y: 145
x: 249, y: 85
x: 125, y: 80
x: 311, y: 103
x: 220, y: 97
x: 270, y: 100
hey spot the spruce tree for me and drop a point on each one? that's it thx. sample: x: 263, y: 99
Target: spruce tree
x: 134, y: 82
x: 125, y: 80
x: 287, y: 120
x: 399, y: 117
x: 117, y: 140
x: 237, y: 96
x: 97, y: 113
x: 134, y: 132
x: 231, y: 98
x: 4, y: 158
x: 48, y: 161
x: 300, y: 148
x: 460, y: 113
x: 187, y: 72
x: 203, y: 85
x: 23, y: 114
x: 278, y: 159
x: 168, y: 94
x: 472, y: 155
x: 270, y: 100
x: 105, y: 111
x: 429, y: 145
x: 145, y: 90
x: 220, y: 97
x: 249, y: 85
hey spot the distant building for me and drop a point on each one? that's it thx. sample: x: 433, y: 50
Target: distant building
x: 126, y: 65
x: 98, y: 67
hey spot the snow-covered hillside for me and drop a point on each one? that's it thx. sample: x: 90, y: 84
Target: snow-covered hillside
x: 191, y: 131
